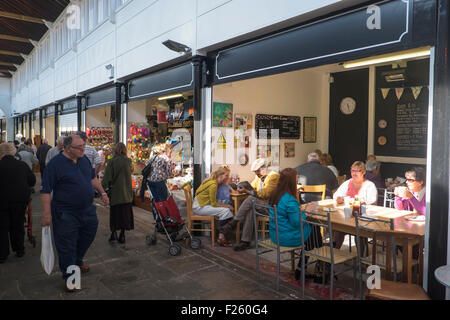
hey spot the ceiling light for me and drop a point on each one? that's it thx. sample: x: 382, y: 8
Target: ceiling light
x: 408, y: 54
x: 171, y: 96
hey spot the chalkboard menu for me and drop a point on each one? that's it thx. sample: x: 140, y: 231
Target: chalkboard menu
x: 288, y: 126
x: 401, y: 111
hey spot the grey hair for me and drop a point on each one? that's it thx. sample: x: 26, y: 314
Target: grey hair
x: 22, y: 147
x: 67, y: 141
x: 313, y: 156
x: 372, y: 165
x: 60, y: 140
x: 7, y: 148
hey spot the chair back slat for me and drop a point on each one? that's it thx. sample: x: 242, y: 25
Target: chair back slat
x: 314, y: 189
x: 318, y: 221
x: 389, y: 198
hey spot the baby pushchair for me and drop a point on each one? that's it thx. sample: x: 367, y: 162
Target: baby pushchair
x: 169, y: 221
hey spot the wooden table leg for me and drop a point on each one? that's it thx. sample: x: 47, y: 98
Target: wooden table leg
x: 407, y: 263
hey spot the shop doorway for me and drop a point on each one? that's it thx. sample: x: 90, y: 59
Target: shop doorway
x: 349, y: 92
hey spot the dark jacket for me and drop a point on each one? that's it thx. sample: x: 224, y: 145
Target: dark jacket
x: 118, y: 177
x: 41, y: 153
x: 15, y: 182
x: 375, y: 179
x: 313, y: 173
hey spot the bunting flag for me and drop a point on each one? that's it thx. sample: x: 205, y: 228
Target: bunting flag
x: 416, y: 91
x: 399, y: 92
x: 385, y: 92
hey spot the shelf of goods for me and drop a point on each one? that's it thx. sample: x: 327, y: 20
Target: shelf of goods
x: 138, y: 144
x: 100, y: 137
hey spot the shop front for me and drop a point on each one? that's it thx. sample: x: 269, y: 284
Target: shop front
x: 99, y: 119
x: 160, y: 109
x: 3, y: 136
x: 35, y: 128
x: 67, y: 117
x: 371, y: 92
x: 48, y: 130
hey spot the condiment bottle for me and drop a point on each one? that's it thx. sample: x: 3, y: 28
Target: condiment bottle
x: 356, y: 207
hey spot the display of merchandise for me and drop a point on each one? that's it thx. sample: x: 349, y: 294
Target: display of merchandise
x: 100, y: 137
x: 139, y: 142
x: 67, y: 133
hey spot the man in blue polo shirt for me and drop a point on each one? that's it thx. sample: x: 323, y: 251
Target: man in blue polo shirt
x: 70, y: 177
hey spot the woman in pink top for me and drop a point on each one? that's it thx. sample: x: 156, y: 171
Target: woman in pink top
x: 412, y: 198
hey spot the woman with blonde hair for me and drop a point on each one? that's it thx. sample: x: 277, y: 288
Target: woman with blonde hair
x: 358, y: 186
x: 205, y: 202
x: 117, y: 179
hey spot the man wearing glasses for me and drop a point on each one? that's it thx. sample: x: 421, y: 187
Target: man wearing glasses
x: 71, y: 178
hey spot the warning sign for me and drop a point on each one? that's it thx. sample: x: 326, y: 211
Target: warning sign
x: 221, y: 143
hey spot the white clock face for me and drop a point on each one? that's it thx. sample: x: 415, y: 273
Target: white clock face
x: 348, y: 105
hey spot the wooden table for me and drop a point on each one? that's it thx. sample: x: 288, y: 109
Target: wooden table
x: 340, y: 223
x: 237, y: 200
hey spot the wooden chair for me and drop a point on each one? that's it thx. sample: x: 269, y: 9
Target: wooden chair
x: 341, y: 179
x: 318, y: 188
x: 393, y: 290
x: 192, y: 217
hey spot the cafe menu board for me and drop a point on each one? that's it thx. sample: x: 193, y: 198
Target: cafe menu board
x: 401, y: 112
x: 288, y: 126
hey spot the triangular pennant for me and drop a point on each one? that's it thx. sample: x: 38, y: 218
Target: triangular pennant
x: 385, y: 92
x: 416, y: 91
x: 399, y: 92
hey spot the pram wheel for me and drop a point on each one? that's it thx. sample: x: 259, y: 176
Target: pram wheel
x: 150, y: 240
x: 174, y: 250
x: 196, y: 243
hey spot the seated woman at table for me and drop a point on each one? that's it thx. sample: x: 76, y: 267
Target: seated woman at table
x: 412, y: 198
x: 205, y: 202
x: 285, y: 197
x: 358, y: 186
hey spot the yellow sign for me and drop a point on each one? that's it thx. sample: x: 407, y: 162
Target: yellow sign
x: 221, y: 143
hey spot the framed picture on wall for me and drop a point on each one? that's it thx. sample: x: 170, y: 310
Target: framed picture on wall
x: 289, y: 149
x: 309, y: 129
x: 222, y: 114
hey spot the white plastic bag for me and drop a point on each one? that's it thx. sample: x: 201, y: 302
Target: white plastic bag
x: 47, y: 255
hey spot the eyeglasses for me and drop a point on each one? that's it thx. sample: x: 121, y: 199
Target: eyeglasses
x: 81, y: 148
x: 410, y: 180
x: 354, y: 170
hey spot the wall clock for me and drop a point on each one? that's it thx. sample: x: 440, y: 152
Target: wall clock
x: 348, y: 105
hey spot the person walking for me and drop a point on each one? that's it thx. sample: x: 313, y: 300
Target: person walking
x: 41, y: 154
x: 15, y: 183
x: 27, y: 156
x: 53, y: 152
x: 117, y: 179
x: 71, y: 179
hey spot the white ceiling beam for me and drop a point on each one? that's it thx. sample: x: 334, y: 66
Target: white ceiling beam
x: 21, y: 17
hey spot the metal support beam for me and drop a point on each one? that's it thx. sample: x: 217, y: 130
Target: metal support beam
x: 30, y: 125
x: 56, y: 122
x: 198, y: 156
x: 117, y: 111
x: 79, y: 111
x: 11, y: 53
x: 13, y: 38
x: 21, y: 17
x: 41, y: 124
x: 440, y: 159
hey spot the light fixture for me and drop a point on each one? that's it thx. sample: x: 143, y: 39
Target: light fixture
x: 176, y: 46
x: 408, y: 54
x: 171, y: 96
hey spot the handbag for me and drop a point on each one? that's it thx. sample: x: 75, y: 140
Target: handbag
x: 47, y: 255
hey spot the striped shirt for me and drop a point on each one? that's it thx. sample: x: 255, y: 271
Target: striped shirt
x: 92, y: 155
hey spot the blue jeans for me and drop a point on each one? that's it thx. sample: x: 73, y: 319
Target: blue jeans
x: 74, y: 232
x: 159, y: 193
x: 158, y: 190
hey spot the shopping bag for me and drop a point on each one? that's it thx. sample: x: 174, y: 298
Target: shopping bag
x: 47, y: 255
